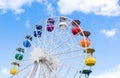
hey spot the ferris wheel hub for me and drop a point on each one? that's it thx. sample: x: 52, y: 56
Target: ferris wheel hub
x: 41, y: 56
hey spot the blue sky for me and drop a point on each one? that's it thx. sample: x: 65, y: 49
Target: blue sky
x: 100, y: 17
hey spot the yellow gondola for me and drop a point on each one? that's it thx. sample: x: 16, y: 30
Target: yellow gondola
x: 13, y: 71
x: 90, y: 61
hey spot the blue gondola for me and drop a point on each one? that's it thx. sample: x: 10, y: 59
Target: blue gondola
x: 26, y: 44
x: 37, y: 34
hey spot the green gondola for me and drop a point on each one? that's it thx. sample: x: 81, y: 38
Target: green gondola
x: 18, y: 56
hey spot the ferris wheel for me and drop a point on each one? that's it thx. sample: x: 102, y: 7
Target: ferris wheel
x: 57, y: 47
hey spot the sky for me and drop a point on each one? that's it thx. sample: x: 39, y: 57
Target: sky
x: 100, y: 17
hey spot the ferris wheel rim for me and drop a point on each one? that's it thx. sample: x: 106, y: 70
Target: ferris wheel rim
x: 33, y: 45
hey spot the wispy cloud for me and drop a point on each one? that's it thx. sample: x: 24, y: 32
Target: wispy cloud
x: 27, y: 23
x: 112, y: 73
x: 49, y: 6
x: 98, y: 7
x: 17, y: 18
x: 109, y: 33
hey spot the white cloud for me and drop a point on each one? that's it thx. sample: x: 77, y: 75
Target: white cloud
x: 5, y: 71
x: 109, y: 33
x: 27, y: 23
x: 15, y: 5
x: 112, y: 73
x: 98, y: 7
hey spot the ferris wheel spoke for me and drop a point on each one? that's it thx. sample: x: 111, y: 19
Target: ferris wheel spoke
x: 72, y: 57
x: 53, y: 70
x: 59, y: 69
x: 38, y: 71
x: 69, y: 66
x: 62, y: 44
x: 61, y: 52
x: 75, y: 74
x: 38, y: 42
x: 26, y: 75
x: 41, y: 71
x: 67, y: 52
x: 56, y: 74
x: 46, y: 71
x: 59, y: 38
x: 32, y: 71
x: 54, y: 42
x: 25, y: 68
x: 67, y: 72
x: 35, y: 71
x: 66, y: 43
x: 44, y: 38
x: 22, y: 61
x: 50, y: 41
